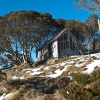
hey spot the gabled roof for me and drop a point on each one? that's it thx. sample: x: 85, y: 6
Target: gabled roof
x: 57, y: 36
x: 53, y: 39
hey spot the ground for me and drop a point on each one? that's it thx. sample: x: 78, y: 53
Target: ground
x: 43, y: 81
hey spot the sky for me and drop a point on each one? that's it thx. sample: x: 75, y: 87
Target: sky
x: 57, y: 8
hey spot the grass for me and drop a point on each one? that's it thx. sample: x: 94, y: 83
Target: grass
x: 73, y: 69
x: 94, y: 57
x: 80, y: 62
x: 96, y: 67
x: 60, y: 67
x: 19, y: 93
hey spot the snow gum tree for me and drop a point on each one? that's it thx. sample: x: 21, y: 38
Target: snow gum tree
x: 20, y: 33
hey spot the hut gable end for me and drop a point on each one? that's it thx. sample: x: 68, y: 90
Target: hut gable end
x: 63, y: 44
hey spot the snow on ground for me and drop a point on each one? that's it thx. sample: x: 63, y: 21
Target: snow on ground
x: 8, y: 96
x: 96, y: 63
x: 2, y: 97
x: 95, y: 54
x: 90, y: 67
x: 57, y: 73
x: 77, y: 61
x: 46, y: 68
x: 70, y: 77
x: 16, y: 78
x: 35, y: 73
x: 79, y: 65
x: 31, y: 69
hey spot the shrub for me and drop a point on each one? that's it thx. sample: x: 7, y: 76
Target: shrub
x: 96, y: 67
x: 18, y: 94
x: 1, y: 93
x: 95, y: 75
x: 96, y: 87
x: 49, y: 97
x: 3, y: 76
x: 77, y: 92
x: 94, y: 57
x: 16, y: 84
x: 81, y: 78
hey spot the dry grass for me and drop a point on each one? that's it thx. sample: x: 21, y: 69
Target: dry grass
x: 60, y: 67
x: 55, y: 61
x: 73, y: 69
x: 22, y: 66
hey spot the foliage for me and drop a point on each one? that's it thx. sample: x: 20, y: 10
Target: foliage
x: 75, y: 91
x: 3, y: 76
x: 21, y: 32
x: 17, y: 95
x: 49, y: 97
x: 96, y: 87
x: 77, y: 28
x: 16, y: 84
x: 91, y: 5
x: 94, y: 57
x: 61, y: 23
x: 97, y: 45
x: 95, y: 75
x: 81, y: 78
x: 92, y: 22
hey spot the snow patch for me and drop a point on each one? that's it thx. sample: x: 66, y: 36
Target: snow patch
x: 3, y: 96
x: 35, y: 73
x: 79, y: 65
x: 57, y: 73
x: 16, y: 78
x: 31, y: 69
x: 90, y: 67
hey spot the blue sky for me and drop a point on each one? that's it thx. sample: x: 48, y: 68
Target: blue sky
x: 57, y: 8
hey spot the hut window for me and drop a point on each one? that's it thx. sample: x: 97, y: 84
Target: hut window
x: 65, y: 37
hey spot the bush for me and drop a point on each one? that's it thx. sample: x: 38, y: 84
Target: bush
x: 95, y: 75
x: 81, y: 78
x: 94, y: 57
x: 77, y: 92
x: 16, y: 84
x: 96, y: 87
x: 3, y: 76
